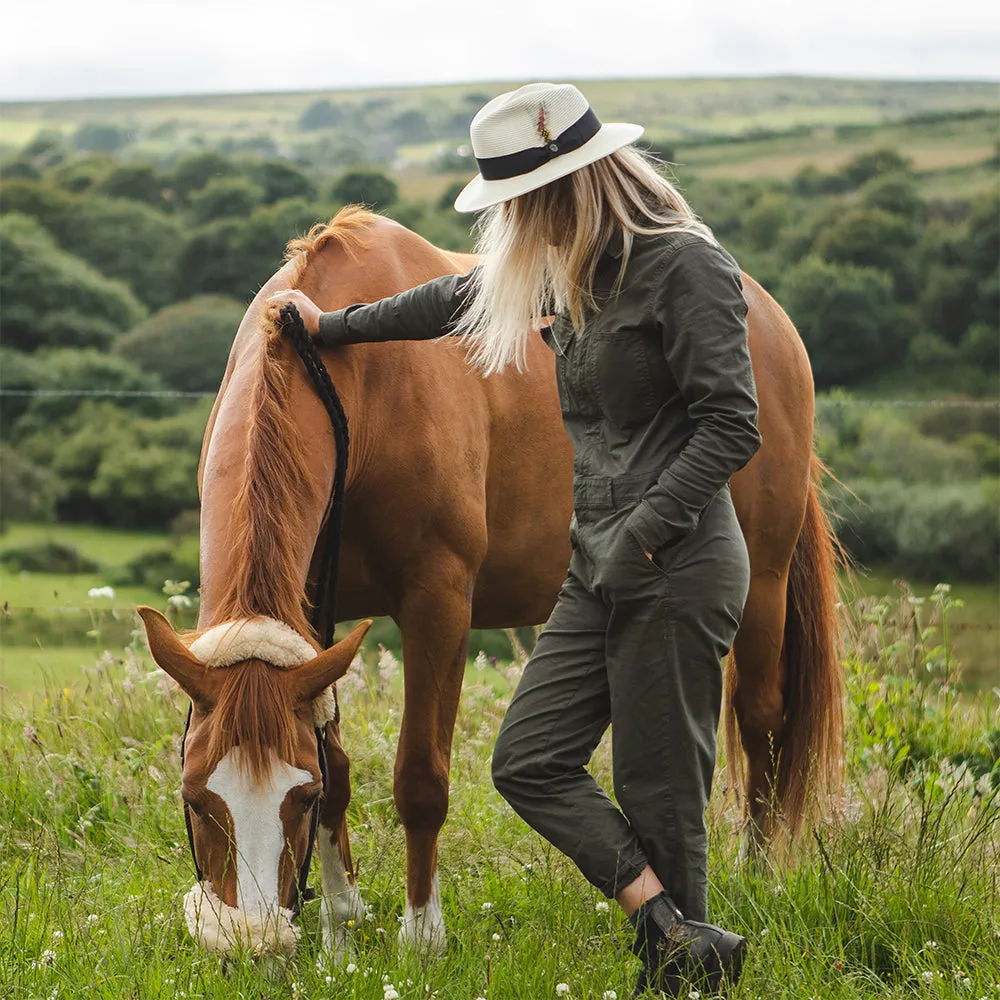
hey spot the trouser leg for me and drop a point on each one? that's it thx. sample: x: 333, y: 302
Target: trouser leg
x: 554, y: 723
x: 667, y: 634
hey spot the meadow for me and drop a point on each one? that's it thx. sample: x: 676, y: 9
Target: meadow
x: 894, y: 891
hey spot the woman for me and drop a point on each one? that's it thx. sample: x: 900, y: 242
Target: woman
x: 659, y: 401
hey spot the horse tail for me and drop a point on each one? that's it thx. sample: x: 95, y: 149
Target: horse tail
x: 810, y: 757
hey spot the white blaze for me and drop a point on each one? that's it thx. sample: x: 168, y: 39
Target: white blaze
x: 257, y: 828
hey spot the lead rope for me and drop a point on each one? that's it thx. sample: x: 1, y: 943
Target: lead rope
x: 324, y: 616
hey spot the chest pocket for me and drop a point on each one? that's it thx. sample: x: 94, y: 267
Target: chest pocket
x: 630, y: 375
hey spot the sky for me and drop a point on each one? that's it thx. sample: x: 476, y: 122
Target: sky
x: 57, y: 49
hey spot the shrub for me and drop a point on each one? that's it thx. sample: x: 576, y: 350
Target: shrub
x: 153, y: 567
x: 846, y: 315
x: 39, y: 284
x: 223, y: 198
x: 47, y: 557
x: 932, y: 532
x: 28, y: 492
x: 187, y: 344
x: 365, y: 187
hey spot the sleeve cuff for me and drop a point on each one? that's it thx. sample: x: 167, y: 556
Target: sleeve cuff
x: 648, y: 528
x: 332, y: 329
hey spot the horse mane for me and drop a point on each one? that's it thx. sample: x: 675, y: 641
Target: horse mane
x: 253, y: 709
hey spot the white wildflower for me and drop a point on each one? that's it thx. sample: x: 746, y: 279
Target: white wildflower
x: 179, y: 601
x: 931, y: 944
x: 57, y: 935
x: 486, y: 907
x: 95, y: 593
x: 482, y: 661
x: 48, y: 956
x: 609, y: 995
x: 602, y: 906
x: 387, y: 665
x: 389, y: 992
x: 694, y: 995
x: 562, y: 989
x: 351, y: 968
x: 496, y: 936
x: 92, y: 918
x: 927, y: 977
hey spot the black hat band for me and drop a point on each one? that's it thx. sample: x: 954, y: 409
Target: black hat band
x: 501, y: 168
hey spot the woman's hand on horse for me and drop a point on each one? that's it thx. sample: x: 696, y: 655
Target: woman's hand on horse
x: 308, y: 310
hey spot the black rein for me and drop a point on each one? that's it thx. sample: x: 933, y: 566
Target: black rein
x: 324, y: 615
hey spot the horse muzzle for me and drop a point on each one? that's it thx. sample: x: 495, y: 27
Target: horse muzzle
x: 227, y: 929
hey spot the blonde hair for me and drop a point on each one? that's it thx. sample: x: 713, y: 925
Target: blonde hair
x: 538, y: 252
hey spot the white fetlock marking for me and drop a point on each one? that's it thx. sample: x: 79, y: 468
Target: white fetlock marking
x: 342, y: 909
x: 423, y: 926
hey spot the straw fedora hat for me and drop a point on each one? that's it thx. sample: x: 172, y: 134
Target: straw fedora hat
x: 533, y: 135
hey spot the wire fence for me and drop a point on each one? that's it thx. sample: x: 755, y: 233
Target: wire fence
x: 821, y: 401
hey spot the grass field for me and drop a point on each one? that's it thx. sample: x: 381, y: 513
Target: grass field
x: 900, y: 898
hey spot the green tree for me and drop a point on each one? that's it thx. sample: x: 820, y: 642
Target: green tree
x: 235, y: 257
x: 281, y: 180
x: 873, y: 163
x: 365, y: 187
x: 870, y: 237
x: 186, y: 344
x: 321, y: 114
x: 28, y: 492
x: 896, y: 193
x: 68, y: 369
x: 138, y: 181
x: 100, y: 137
x: 193, y: 172
x: 79, y: 175
x: 847, y: 317
x: 53, y: 298
x: 224, y: 198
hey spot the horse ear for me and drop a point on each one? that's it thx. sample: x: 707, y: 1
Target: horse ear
x: 174, y: 658
x: 314, y: 677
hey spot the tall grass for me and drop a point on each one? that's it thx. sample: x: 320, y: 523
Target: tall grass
x: 895, y: 893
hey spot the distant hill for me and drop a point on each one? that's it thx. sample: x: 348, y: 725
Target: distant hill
x: 713, y: 128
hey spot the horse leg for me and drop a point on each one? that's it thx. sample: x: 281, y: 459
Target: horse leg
x: 435, y: 626
x: 342, y: 907
x: 757, y: 687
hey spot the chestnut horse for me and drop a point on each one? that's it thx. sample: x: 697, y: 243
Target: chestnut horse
x: 458, y: 501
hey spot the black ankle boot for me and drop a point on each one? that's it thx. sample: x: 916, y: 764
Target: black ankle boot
x: 678, y: 954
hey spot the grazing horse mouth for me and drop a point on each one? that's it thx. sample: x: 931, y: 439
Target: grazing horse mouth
x: 227, y: 929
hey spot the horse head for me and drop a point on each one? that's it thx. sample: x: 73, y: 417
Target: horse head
x: 253, y: 770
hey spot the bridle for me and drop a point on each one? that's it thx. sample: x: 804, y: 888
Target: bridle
x: 325, y: 588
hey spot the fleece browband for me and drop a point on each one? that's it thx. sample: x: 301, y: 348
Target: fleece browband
x: 264, y: 639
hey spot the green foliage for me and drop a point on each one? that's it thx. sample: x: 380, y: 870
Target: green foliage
x: 763, y: 223
x: 46, y: 557
x: 100, y: 137
x: 223, y: 198
x: 151, y: 568
x: 281, y: 180
x: 895, y: 193
x: 365, y: 187
x: 847, y: 316
x: 186, y: 344
x: 321, y: 114
x: 82, y: 174
x: 52, y: 298
x: 193, y: 172
x: 138, y: 181
x: 120, y: 237
x: 123, y: 469
x: 871, y: 238
x: 28, y: 492
x: 866, y: 166
x: 930, y: 532
x: 235, y: 257
x: 66, y: 369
